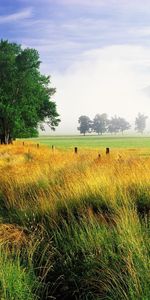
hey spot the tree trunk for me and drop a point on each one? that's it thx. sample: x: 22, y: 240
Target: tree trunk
x: 6, y: 138
x: 6, y: 133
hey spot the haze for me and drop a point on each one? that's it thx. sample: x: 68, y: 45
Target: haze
x: 97, y: 52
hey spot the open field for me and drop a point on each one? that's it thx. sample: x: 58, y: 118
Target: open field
x: 74, y: 227
x: 95, y: 141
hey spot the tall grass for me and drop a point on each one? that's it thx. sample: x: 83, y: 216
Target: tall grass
x: 74, y: 226
x: 17, y: 280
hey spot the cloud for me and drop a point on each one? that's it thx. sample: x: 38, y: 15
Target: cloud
x: 64, y: 29
x: 69, y: 2
x: 107, y: 80
x: 125, y: 4
x: 141, y: 32
x: 62, y: 34
x: 81, y: 2
x: 23, y: 14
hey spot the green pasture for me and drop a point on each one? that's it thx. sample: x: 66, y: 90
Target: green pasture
x: 94, y: 141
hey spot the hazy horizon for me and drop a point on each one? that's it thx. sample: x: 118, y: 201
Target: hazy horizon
x: 97, y: 53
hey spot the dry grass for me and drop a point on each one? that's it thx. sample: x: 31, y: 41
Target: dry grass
x: 70, y: 204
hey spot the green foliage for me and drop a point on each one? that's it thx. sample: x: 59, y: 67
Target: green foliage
x: 100, y: 123
x: 85, y: 124
x: 25, y: 94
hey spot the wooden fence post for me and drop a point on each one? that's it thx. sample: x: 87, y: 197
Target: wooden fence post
x: 38, y: 145
x: 107, y: 151
x: 76, y: 150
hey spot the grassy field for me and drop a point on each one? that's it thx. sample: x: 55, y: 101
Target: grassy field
x: 74, y: 227
x: 68, y: 142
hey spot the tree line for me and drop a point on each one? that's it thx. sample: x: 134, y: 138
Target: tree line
x: 102, y: 124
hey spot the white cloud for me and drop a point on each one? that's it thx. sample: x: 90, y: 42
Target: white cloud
x: 125, y: 4
x: 133, y: 3
x: 23, y: 14
x: 45, y: 45
x: 81, y: 2
x: 140, y: 32
x: 105, y: 80
x: 71, y: 2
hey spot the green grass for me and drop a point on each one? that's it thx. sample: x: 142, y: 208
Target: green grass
x: 94, y: 141
x: 16, y: 282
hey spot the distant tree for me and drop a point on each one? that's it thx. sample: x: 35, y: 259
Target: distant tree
x: 113, y: 125
x: 25, y: 94
x: 100, y: 123
x: 123, y: 124
x: 117, y: 124
x: 85, y: 124
x: 140, y: 123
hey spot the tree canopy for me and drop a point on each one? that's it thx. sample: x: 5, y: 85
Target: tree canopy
x: 85, y: 124
x: 123, y: 124
x: 140, y: 123
x: 100, y: 123
x: 118, y: 124
x: 25, y: 94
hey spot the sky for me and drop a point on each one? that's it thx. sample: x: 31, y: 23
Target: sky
x: 96, y: 51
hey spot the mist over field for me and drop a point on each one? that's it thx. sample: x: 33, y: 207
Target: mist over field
x: 97, y: 53
x: 110, y: 80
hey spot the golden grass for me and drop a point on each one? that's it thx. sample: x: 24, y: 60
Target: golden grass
x: 39, y: 178
x: 40, y: 187
x: 12, y: 235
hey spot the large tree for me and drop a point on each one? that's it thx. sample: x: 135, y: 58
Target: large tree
x: 113, y: 125
x: 100, y: 123
x: 25, y: 94
x: 117, y: 124
x: 123, y: 125
x: 85, y: 124
x: 140, y: 123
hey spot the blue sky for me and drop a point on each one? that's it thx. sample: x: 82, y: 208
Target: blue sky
x: 86, y: 45
x: 64, y: 29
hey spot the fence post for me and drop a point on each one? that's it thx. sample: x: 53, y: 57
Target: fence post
x: 76, y: 150
x: 107, y: 150
x: 53, y: 147
x: 23, y: 143
x: 38, y: 145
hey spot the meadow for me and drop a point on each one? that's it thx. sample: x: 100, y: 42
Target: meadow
x: 92, y: 141
x: 74, y: 226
